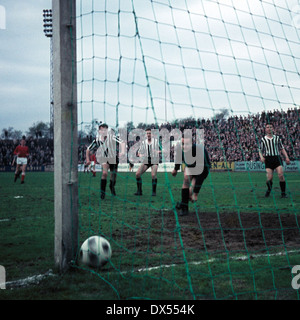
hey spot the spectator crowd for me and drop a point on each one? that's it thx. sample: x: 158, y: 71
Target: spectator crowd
x: 40, y: 151
x: 236, y: 138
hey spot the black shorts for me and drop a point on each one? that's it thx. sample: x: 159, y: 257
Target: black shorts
x: 149, y: 163
x: 113, y: 166
x: 272, y: 162
x: 200, y: 179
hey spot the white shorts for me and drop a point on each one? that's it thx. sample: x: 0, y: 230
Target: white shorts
x: 21, y: 161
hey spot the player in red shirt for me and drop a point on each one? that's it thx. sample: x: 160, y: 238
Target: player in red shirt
x: 22, y: 152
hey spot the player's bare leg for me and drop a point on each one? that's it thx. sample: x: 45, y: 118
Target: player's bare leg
x: 93, y: 170
x: 193, y: 196
x: 17, y: 172
x: 23, y: 173
x: 138, y: 176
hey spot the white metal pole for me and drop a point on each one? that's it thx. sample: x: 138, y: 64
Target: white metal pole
x: 65, y: 132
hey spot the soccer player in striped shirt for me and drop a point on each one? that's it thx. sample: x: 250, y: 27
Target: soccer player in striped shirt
x: 106, y: 146
x: 149, y: 152
x: 269, y: 153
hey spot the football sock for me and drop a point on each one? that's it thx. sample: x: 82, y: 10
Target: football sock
x: 17, y: 175
x: 185, y: 194
x: 103, y: 185
x: 112, y: 183
x: 154, y: 184
x: 111, y: 186
x: 269, y: 185
x: 139, y: 185
x: 282, y: 186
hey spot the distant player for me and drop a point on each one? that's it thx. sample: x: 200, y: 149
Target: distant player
x: 85, y: 167
x: 107, y: 145
x: 131, y: 165
x: 22, y: 153
x: 269, y: 153
x: 149, y: 153
x: 192, y: 182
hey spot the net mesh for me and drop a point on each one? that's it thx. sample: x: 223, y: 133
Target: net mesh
x: 227, y: 67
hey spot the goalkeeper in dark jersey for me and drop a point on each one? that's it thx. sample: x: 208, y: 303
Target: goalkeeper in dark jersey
x: 194, y: 172
x: 106, y: 146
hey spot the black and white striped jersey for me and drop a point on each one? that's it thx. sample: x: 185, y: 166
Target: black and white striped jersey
x: 271, y: 146
x: 106, y: 148
x: 149, y: 151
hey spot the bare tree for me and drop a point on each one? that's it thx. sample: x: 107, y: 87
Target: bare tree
x: 39, y: 130
x: 11, y: 133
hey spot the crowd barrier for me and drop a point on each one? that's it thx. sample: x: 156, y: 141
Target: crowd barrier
x: 238, y: 166
x: 28, y: 169
x: 258, y: 166
x: 222, y: 166
x: 124, y: 167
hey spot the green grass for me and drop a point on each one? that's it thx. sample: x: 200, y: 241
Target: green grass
x: 156, y: 253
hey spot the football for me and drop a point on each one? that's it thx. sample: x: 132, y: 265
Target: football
x: 95, y: 252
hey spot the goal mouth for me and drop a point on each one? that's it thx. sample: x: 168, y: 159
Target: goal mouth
x: 209, y: 65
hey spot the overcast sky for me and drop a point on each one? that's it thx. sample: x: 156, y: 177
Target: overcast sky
x: 24, y: 64
x: 235, y: 54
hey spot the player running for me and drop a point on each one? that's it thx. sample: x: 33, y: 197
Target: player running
x: 22, y: 153
x: 192, y: 182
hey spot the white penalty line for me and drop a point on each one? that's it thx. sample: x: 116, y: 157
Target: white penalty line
x: 28, y: 281
x: 241, y: 258
x: 38, y: 278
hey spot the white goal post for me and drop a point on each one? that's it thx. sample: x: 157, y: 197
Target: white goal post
x: 65, y: 133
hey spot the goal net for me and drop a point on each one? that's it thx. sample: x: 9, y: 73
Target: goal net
x: 226, y: 68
